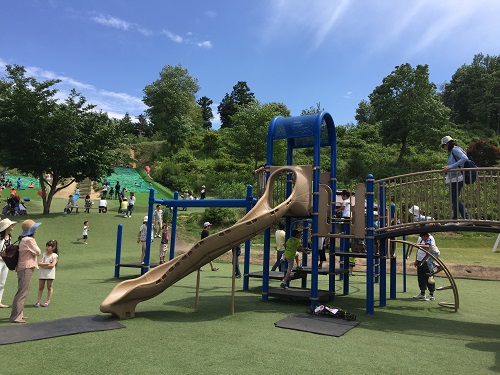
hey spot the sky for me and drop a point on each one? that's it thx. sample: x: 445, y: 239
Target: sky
x: 296, y: 52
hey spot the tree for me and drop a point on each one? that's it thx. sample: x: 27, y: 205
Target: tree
x: 231, y: 103
x: 68, y: 140
x: 364, y: 113
x: 249, y: 132
x: 312, y: 110
x: 473, y: 95
x: 408, y: 108
x: 206, y: 111
x: 172, y: 105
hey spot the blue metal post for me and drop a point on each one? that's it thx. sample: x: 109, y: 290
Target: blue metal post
x: 305, y: 237
x: 393, y: 264
x: 119, y: 232
x: 174, y: 227
x: 404, y: 264
x: 149, y: 231
x: 370, y: 296
x: 383, y: 251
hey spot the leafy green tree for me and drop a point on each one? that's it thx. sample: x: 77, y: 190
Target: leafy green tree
x: 206, y: 111
x: 249, y: 132
x: 68, y: 140
x: 473, y: 94
x: 172, y: 105
x: 408, y: 108
x: 231, y: 103
x: 364, y: 113
x: 312, y: 110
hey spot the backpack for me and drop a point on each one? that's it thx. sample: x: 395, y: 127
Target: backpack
x: 469, y: 176
x: 10, y: 255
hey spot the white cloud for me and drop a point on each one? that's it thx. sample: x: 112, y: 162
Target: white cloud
x: 205, y: 44
x: 173, y: 37
x: 116, y: 104
x: 288, y: 19
x: 112, y: 22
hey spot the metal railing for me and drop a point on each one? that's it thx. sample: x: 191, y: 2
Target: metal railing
x: 424, y: 198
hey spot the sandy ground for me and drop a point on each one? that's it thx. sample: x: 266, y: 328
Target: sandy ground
x: 65, y: 193
x: 456, y: 270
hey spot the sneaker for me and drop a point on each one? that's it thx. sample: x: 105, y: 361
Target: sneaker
x: 125, y: 216
x: 431, y: 298
x: 283, y: 285
x: 419, y: 296
x: 37, y: 304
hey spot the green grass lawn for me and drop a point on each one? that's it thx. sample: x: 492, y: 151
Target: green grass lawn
x: 407, y: 336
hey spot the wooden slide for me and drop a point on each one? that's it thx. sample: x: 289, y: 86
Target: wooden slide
x: 125, y: 296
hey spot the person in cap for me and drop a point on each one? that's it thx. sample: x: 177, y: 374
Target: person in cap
x: 28, y: 253
x: 203, y: 192
x: 142, y: 237
x: 205, y: 233
x: 6, y: 227
x: 456, y: 159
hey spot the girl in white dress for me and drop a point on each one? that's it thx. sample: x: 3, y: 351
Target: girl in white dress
x: 47, y: 271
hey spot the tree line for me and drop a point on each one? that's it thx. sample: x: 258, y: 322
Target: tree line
x: 397, y: 129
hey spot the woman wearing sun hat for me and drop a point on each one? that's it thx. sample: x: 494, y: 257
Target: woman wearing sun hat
x: 6, y: 227
x: 456, y: 159
x: 28, y: 253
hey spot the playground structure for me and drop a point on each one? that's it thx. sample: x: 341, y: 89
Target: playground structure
x: 304, y: 193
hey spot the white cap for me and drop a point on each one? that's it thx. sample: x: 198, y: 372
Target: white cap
x: 445, y: 140
x: 145, y: 219
x: 207, y: 224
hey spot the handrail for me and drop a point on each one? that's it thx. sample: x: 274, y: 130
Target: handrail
x: 442, y: 267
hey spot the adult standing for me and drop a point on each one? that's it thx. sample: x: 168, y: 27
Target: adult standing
x: 117, y: 189
x: 203, y: 192
x: 157, y: 221
x: 6, y: 227
x: 130, y: 204
x: 279, y: 237
x: 456, y: 159
x: 28, y: 253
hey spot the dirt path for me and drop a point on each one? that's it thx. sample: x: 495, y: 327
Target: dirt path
x: 66, y: 192
x: 456, y: 270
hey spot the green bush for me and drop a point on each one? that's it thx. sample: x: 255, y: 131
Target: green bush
x: 221, y: 216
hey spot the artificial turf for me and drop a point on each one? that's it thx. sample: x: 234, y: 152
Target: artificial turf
x: 167, y: 336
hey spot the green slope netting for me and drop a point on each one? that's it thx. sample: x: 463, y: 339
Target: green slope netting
x: 130, y: 179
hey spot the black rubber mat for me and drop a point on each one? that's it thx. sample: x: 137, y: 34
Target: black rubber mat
x: 54, y: 328
x: 321, y: 325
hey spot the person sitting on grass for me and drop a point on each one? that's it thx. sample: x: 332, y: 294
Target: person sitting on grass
x: 292, y: 246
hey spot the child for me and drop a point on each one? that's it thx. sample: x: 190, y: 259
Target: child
x: 425, y: 281
x: 158, y: 221
x: 88, y: 203
x: 141, y: 236
x: 292, y: 246
x: 47, y: 271
x: 85, y: 232
x: 163, y: 243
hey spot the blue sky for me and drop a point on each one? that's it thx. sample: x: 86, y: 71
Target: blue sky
x: 296, y: 52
